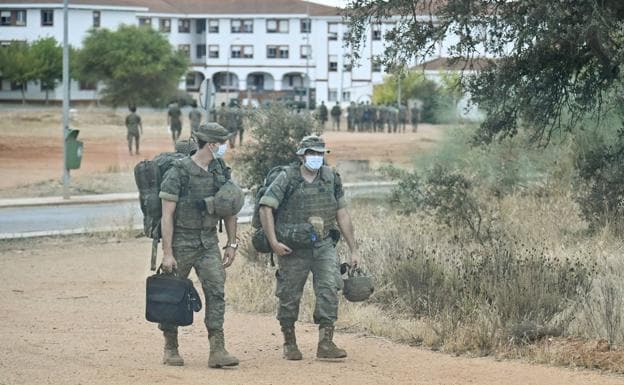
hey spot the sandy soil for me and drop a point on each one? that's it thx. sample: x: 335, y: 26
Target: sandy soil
x: 72, y: 313
x: 31, y: 147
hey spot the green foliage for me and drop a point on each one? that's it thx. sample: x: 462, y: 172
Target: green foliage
x: 436, y: 100
x: 558, y: 59
x: 47, y: 57
x: 137, y: 65
x: 17, y: 64
x: 277, y: 131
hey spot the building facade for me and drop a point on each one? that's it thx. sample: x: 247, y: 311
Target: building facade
x: 249, y: 48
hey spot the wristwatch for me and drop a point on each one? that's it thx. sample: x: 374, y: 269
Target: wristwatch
x: 232, y: 245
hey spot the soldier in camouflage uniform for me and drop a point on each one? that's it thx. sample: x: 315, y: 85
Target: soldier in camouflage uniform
x: 322, y: 114
x: 335, y: 113
x: 351, y: 117
x: 189, y: 236
x: 135, y: 129
x: 195, y: 117
x: 316, y: 198
x: 174, y: 120
x: 402, y: 117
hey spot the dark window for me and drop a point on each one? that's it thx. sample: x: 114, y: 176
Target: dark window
x: 145, y: 21
x: 272, y: 51
x: 213, y: 26
x: 376, y: 66
x: 96, y: 19
x: 17, y: 86
x: 87, y: 86
x: 165, y: 25
x: 306, y: 26
x: 47, y: 17
x: 184, y: 26
x: 376, y: 32
x: 13, y: 18
x: 333, y: 63
x: 213, y: 51
x: 200, y: 26
x: 200, y: 51
x: 283, y: 52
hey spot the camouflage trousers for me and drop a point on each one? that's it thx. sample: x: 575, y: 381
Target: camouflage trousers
x: 292, y: 275
x: 206, y: 259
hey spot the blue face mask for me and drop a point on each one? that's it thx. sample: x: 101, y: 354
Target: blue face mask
x: 220, y: 151
x: 313, y: 162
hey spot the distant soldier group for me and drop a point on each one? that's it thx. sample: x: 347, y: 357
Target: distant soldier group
x: 366, y: 117
x: 231, y: 118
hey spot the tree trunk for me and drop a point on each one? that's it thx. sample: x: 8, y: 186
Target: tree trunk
x: 47, y: 101
x: 23, y: 93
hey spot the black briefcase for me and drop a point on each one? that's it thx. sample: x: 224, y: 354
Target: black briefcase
x: 171, y: 299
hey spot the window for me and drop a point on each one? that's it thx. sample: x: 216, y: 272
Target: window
x: 47, y: 17
x: 306, y: 52
x: 17, y: 86
x: 13, y: 18
x: 376, y: 31
x: 277, y: 26
x: 332, y: 95
x: 277, y: 51
x: 96, y: 19
x: 242, y: 26
x: 165, y: 25
x: 145, y: 21
x: 200, y: 26
x: 376, y: 65
x: 332, y: 31
x: 333, y: 63
x: 87, y: 86
x: 184, y: 26
x: 306, y: 26
x: 241, y: 51
x: 213, y: 26
x: 346, y: 96
x: 346, y: 63
x: 200, y: 51
x: 213, y: 51
x: 185, y: 49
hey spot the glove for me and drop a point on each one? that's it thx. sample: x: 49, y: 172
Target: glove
x: 200, y: 204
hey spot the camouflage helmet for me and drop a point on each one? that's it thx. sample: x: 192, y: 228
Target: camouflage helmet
x: 311, y: 142
x: 228, y: 201
x: 211, y: 133
x: 358, y: 286
x: 185, y: 146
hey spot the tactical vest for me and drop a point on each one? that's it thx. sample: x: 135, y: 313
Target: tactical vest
x: 314, y: 199
x: 197, y: 184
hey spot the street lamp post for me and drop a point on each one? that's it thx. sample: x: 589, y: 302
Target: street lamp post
x: 66, y: 81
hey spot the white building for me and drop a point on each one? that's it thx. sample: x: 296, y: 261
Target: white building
x: 257, y: 48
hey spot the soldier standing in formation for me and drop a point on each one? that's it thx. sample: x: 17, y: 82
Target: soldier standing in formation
x: 318, y: 200
x: 189, y: 237
x: 195, y: 117
x: 135, y: 129
x: 351, y: 117
x: 415, y: 117
x: 336, y: 111
x: 322, y: 114
x: 174, y: 120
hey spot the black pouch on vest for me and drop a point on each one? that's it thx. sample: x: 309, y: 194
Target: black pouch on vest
x: 170, y: 299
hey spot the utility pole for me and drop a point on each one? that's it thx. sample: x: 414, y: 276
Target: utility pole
x: 66, y: 81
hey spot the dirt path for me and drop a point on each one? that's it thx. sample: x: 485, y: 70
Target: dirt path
x: 72, y: 313
x: 31, y: 148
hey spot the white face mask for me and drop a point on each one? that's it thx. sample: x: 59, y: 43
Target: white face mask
x: 220, y: 151
x: 313, y: 162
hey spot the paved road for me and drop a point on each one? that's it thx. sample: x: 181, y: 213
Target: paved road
x: 33, y: 219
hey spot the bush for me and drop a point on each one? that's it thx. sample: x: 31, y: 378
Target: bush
x: 277, y: 131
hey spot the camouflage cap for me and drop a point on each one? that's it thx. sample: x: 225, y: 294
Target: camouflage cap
x: 311, y: 142
x: 211, y: 133
x: 185, y: 146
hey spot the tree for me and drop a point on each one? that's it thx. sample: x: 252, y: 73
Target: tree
x: 47, y: 57
x: 556, y: 61
x: 17, y: 65
x: 137, y: 65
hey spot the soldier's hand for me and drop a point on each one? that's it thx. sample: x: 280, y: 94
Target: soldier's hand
x: 169, y: 263
x: 355, y: 259
x: 228, y: 256
x: 281, y: 249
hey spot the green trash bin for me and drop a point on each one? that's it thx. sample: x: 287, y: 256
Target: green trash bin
x: 73, y: 156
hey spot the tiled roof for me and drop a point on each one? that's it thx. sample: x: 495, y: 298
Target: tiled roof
x: 275, y: 7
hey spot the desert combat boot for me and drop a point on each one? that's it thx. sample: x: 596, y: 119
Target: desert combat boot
x: 171, y: 356
x: 219, y: 357
x: 291, y: 351
x: 326, y: 347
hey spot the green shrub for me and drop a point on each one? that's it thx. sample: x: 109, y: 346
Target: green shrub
x: 277, y: 131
